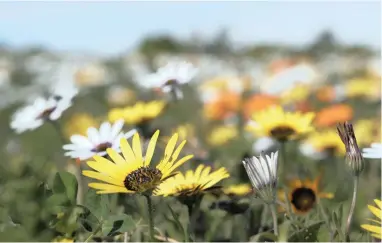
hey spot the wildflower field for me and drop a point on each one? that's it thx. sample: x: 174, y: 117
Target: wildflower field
x: 192, y: 150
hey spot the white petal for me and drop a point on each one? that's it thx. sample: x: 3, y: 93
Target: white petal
x: 93, y: 136
x: 105, y: 131
x: 82, y: 141
x: 117, y: 127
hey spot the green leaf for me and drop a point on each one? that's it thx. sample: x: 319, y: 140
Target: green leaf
x: 337, y: 224
x: 117, y: 225
x: 97, y: 204
x: 66, y: 183
x: 263, y: 236
x: 57, y: 200
x: 308, y: 234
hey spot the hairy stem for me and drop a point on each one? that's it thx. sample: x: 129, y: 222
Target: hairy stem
x: 272, y: 206
x: 150, y: 208
x: 352, y: 207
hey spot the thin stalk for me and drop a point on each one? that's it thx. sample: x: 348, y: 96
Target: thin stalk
x: 94, y: 232
x: 272, y: 206
x: 150, y: 208
x: 284, y: 157
x: 193, y: 210
x: 352, y: 207
x: 326, y: 218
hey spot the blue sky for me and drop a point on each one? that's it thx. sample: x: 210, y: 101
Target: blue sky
x: 110, y: 27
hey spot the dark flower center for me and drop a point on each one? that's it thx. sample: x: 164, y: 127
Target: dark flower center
x: 331, y: 151
x: 303, y: 199
x: 46, y: 113
x: 170, y: 82
x: 282, y: 133
x: 102, y: 147
x: 143, y: 179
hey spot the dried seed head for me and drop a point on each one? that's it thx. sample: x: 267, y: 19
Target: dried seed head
x: 354, y: 158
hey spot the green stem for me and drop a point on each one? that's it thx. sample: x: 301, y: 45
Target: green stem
x: 150, y: 208
x: 352, y: 207
x: 284, y: 158
x: 193, y: 211
x: 326, y: 218
x: 272, y: 206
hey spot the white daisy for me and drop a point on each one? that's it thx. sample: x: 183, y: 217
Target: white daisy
x: 33, y: 116
x: 97, y: 141
x: 171, y: 77
x: 64, y: 86
x: 374, y: 152
x: 263, y: 144
x: 262, y: 172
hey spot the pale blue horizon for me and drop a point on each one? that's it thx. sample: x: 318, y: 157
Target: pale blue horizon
x: 112, y: 27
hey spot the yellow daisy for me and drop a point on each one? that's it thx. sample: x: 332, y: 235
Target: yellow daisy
x: 192, y: 182
x: 79, y: 124
x: 363, y: 87
x: 238, y: 190
x: 376, y: 230
x: 132, y: 173
x: 279, y: 124
x: 367, y: 131
x: 63, y: 239
x: 298, y: 93
x: 221, y: 135
x: 303, y: 194
x: 327, y: 142
x: 138, y: 114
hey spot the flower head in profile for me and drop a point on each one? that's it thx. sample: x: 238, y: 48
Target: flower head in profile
x: 97, y: 141
x: 132, y: 172
x: 374, y: 152
x: 281, y: 125
x: 354, y: 157
x: 170, y: 77
x: 304, y: 194
x: 34, y: 115
x: 376, y: 228
x: 262, y: 171
x: 192, y: 183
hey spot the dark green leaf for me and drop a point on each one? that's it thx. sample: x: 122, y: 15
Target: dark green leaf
x: 57, y: 200
x: 66, y: 183
x: 308, y: 234
x: 117, y: 224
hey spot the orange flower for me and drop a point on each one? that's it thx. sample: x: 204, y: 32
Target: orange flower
x: 334, y: 114
x: 258, y: 102
x: 303, y: 106
x: 223, y: 107
x: 326, y: 94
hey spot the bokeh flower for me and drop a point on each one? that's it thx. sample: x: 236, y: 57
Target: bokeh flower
x: 281, y: 125
x: 322, y: 144
x: 258, y: 102
x: 79, y: 124
x: 119, y: 95
x: 34, y: 115
x: 304, y: 194
x: 223, y: 107
x: 376, y: 228
x: 374, y: 152
x: 238, y: 190
x: 97, y: 141
x: 221, y: 135
x: 331, y: 115
x: 132, y: 173
x: 171, y: 76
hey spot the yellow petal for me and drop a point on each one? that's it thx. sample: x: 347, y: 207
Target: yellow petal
x: 372, y: 228
x: 179, y: 163
x: 378, y: 202
x: 170, y: 146
x: 379, y: 236
x: 327, y: 195
x: 107, y: 187
x: 118, y: 159
x: 121, y: 190
x: 151, y: 148
x: 126, y: 150
x: 110, y: 171
x: 102, y: 177
x: 376, y: 211
x: 137, y: 147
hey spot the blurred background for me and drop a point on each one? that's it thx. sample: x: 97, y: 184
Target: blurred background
x: 307, y: 56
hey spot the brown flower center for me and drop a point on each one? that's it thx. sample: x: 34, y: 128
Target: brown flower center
x: 143, y: 179
x: 46, y: 113
x: 303, y: 199
x: 102, y: 147
x: 282, y: 133
x: 171, y: 82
